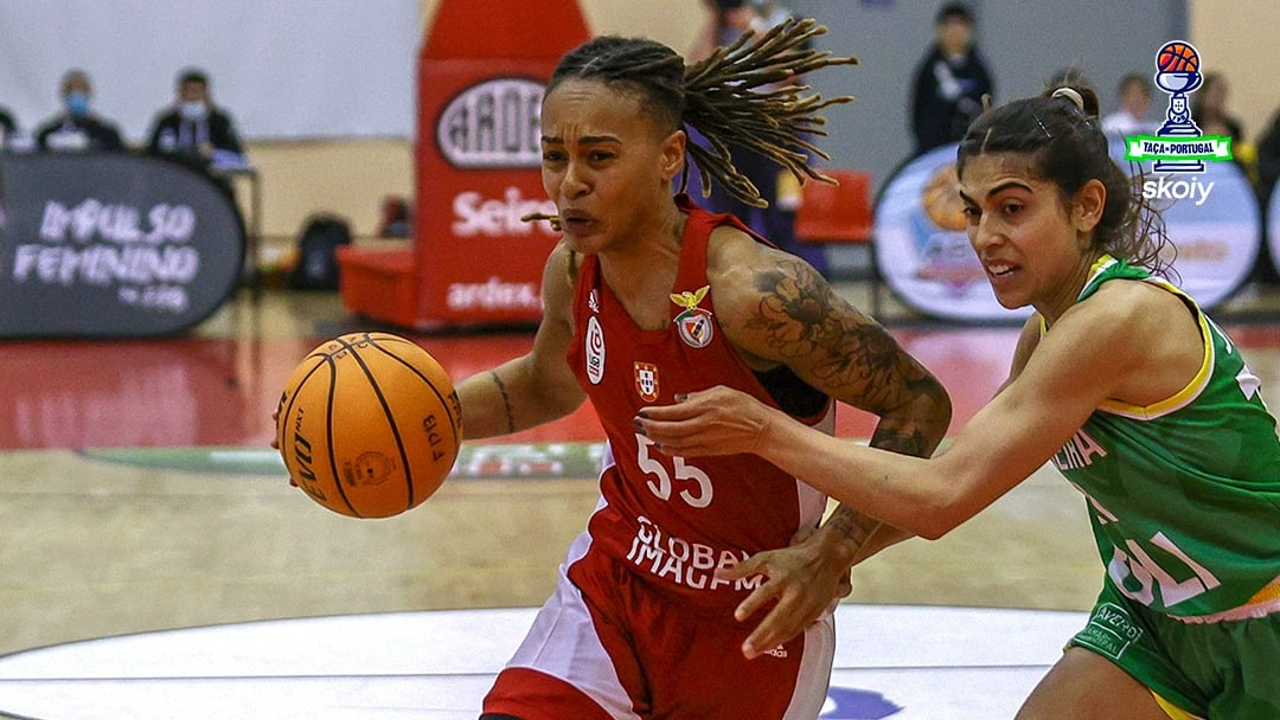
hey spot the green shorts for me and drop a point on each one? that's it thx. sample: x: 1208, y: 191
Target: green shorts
x: 1215, y: 670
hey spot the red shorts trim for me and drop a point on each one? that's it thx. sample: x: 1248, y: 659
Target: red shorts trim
x: 534, y: 695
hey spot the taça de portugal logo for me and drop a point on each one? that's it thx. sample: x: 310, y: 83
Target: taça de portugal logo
x: 1178, y: 146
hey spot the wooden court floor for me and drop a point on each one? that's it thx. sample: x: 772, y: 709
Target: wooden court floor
x: 138, y: 491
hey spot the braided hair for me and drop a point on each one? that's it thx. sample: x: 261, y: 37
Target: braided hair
x: 729, y: 97
x: 1060, y: 132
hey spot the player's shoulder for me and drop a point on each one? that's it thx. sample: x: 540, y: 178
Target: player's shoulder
x: 735, y: 258
x: 1129, y: 318
x: 1133, y: 304
x: 559, y: 277
x: 748, y: 277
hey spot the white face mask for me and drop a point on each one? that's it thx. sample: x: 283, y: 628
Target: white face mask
x: 193, y: 110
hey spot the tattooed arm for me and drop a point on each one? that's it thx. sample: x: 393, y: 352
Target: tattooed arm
x: 776, y: 310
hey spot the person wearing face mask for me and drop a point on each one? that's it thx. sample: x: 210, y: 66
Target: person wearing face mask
x: 194, y: 129
x: 78, y: 128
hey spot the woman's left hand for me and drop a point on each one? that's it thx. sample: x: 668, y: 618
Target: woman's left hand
x: 802, y: 583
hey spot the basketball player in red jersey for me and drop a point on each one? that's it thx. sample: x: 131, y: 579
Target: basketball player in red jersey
x: 647, y: 296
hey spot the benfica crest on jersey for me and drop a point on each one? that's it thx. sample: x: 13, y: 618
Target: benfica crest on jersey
x: 695, y: 324
x: 647, y: 381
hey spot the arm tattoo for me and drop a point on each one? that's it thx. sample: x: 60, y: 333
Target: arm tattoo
x: 506, y: 400
x: 853, y: 358
x: 850, y: 525
x: 803, y: 320
x: 901, y: 441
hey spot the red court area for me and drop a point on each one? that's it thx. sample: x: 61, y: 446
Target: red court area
x: 186, y: 392
x: 190, y: 392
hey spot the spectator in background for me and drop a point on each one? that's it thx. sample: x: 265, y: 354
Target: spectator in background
x: 194, y: 129
x: 949, y: 82
x: 78, y: 128
x: 1134, y: 94
x: 1268, y: 173
x: 726, y: 21
x: 1209, y: 109
x: 1269, y: 159
x: 397, y: 219
x: 8, y: 127
x: 772, y: 13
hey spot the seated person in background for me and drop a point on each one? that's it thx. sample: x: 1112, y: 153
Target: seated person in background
x: 195, y: 129
x: 78, y: 128
x: 1135, y: 101
x: 1210, y: 113
x: 396, y: 222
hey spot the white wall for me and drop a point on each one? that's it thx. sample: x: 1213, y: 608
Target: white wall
x: 285, y: 68
x: 1239, y: 39
x: 1025, y: 39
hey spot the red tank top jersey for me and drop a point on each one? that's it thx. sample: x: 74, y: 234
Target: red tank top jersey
x: 674, y: 520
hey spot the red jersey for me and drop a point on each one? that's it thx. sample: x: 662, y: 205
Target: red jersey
x: 674, y: 520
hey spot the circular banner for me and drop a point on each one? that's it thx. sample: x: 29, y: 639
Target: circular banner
x: 112, y: 245
x: 1213, y: 221
x: 1273, y: 226
x: 922, y: 250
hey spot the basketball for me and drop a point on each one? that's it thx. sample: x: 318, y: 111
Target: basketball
x: 369, y: 425
x: 1177, y: 57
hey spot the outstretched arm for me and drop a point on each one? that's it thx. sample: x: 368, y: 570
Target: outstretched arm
x: 777, y: 310
x: 535, y: 388
x: 1119, y: 345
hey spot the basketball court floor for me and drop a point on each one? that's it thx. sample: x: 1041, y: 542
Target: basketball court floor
x: 155, y: 562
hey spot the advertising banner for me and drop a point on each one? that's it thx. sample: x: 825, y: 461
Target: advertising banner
x: 1213, y: 222
x: 1211, y: 218
x: 922, y: 248
x: 1273, y: 227
x: 479, y: 158
x: 112, y: 245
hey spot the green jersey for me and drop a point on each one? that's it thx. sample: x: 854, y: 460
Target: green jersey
x: 1184, y: 494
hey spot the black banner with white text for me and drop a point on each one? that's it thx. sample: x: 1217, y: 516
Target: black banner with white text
x: 112, y: 245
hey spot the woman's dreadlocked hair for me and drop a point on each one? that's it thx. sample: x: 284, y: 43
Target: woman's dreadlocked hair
x: 739, y: 94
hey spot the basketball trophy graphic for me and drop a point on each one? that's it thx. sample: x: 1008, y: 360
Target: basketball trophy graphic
x: 1178, y: 73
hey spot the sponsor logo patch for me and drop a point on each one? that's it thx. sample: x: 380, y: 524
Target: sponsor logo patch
x: 1110, y: 631
x: 595, y: 351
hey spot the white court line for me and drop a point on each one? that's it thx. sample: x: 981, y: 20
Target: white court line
x: 903, y: 662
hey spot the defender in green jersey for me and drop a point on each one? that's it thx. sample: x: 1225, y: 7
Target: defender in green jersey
x: 1127, y: 387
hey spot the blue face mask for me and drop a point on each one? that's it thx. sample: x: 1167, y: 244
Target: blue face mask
x: 78, y: 104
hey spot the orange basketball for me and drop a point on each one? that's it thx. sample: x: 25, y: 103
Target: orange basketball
x: 369, y: 425
x: 1177, y: 57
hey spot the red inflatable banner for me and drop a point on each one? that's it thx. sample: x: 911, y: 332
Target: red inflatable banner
x: 481, y: 76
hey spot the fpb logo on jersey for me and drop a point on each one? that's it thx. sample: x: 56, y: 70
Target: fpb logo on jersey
x: 1178, y: 146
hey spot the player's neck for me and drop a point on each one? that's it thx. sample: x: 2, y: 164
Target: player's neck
x: 643, y: 274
